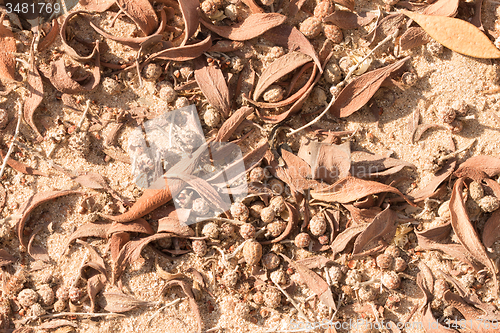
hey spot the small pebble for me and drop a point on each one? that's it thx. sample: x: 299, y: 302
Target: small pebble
x: 332, y: 73
x: 230, y: 278
x: 110, y: 86
x: 231, y: 11
x: 211, y: 117
x: 257, y: 175
x: 242, y: 310
x: 335, y: 274
x: 444, y: 210
x: 168, y: 94
x: 409, y: 78
x: 434, y: 48
x: 272, y: 298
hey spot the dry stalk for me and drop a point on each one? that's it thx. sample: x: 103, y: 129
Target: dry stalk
x: 19, y: 117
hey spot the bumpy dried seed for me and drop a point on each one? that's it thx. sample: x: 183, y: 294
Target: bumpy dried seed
x: 444, y: 210
x: 302, y: 240
x: 324, y: 240
x: 399, y: 265
x: 267, y: 214
x: 209, y: 7
x: 36, y: 310
x: 168, y: 94
x: 273, y: 94
x: 393, y: 251
x: 111, y: 86
x: 211, y: 230
x: 200, y: 206
x: 332, y: 73
x: 311, y: 27
x: 46, y: 293
x: 409, y: 78
x: 60, y: 305
x: 256, y: 208
x: 227, y: 230
x: 242, y: 310
x: 272, y: 298
x: 258, y: 298
x: 384, y: 261
x: 367, y: 294
x: 476, y: 190
x: 391, y: 280
x: 317, y: 225
x: 27, y: 297
x: 489, y: 203
x: 230, y: 278
x: 199, y: 247
x: 278, y: 276
x: 277, y: 203
x: 270, y: 261
x: 151, y: 72
x: 323, y: 9
x: 277, y: 186
x: 274, y: 229
x: 335, y: 274
x: 247, y: 231
x: 211, y: 117
x: 181, y: 102
x: 256, y: 175
x: 333, y: 33
x: 74, y: 294
x: 447, y: 114
x: 353, y: 277
x: 239, y: 211
x: 62, y: 293
x: 252, y: 252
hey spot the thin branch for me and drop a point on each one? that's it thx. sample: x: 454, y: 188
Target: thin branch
x: 19, y: 117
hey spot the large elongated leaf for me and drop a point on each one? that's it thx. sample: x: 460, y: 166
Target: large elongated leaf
x: 191, y: 16
x: 382, y: 228
x: 232, y: 123
x: 457, y: 35
x: 35, y: 87
x: 213, y: 85
x: 184, y: 52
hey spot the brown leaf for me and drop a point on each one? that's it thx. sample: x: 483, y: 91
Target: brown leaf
x: 6, y: 258
x: 254, y: 8
x: 479, y: 167
x: 277, y: 69
x: 164, y: 275
x: 183, y: 53
x: 350, y: 189
x: 293, y: 219
x: 413, y: 37
x: 192, y: 302
x: 226, y: 46
x: 118, y: 302
x: 465, y: 231
x: 491, y: 230
x: 96, y: 5
x: 3, y: 197
x: 35, y: 88
x: 213, y: 85
x: 457, y: 35
x: 328, y: 162
x: 37, y: 252
x: 231, y: 124
x: 291, y: 38
x: 32, y: 203
x: 56, y: 323
x: 365, y: 165
x: 295, y: 173
x: 294, y: 7
x: 64, y: 39
x: 315, y: 262
x: 476, y: 19
x: 191, y: 17
x: 141, y: 12
x: 385, y: 27
x: 349, y: 4
x: 359, y: 91
x: 345, y: 19
x: 99, y: 230
x: 137, y: 226
x: 21, y: 167
x: 175, y: 222
x: 382, y: 229
x: 94, y: 285
x: 422, y: 128
x: 442, y: 8
x: 314, y: 282
x: 50, y: 37
x: 440, y: 176
x: 116, y: 243
x: 362, y: 215
x: 7, y: 53
x: 342, y: 240
x: 251, y: 27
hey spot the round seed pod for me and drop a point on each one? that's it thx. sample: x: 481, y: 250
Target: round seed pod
x: 27, y: 297
x: 367, y: 294
x: 186, y: 72
x: 348, y: 291
x: 277, y: 186
x: 36, y: 310
x: 393, y: 251
x: 273, y: 94
x: 270, y: 261
x: 200, y: 206
x: 181, y: 102
x: 267, y: 214
x: 384, y: 261
x: 323, y: 9
x: 252, y: 252
x: 242, y: 310
x: 167, y: 93
x: 274, y: 229
x: 151, y: 72
x: 227, y: 230
x: 239, y: 211
x: 62, y: 293
x: 324, y: 239
x: 409, y: 78
x: 460, y: 107
x: 272, y: 298
x: 211, y: 117
x: 258, y: 298
x: 333, y: 33
x: 476, y: 190
x: 335, y: 274
x: 332, y: 73
x: 46, y: 294
x: 257, y: 175
x: 74, y: 294
x: 302, y: 240
x: 444, y: 210
x: 391, y: 280
x: 256, y: 209
x: 230, y: 278
x: 277, y: 203
x: 247, y: 231
x: 489, y: 203
x: 60, y: 305
x: 199, y: 247
x: 211, y: 230
x: 278, y: 276
x: 164, y: 243
x: 311, y: 27
x: 400, y: 265
x: 317, y: 225
x: 110, y: 86
x: 447, y: 114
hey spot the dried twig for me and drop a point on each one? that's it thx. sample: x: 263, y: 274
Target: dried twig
x: 19, y: 117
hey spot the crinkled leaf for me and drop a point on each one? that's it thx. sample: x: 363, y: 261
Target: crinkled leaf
x: 3, y: 197
x: 385, y: 27
x: 479, y: 167
x: 465, y: 232
x: 439, y: 178
x: 6, y: 258
x: 231, y: 124
x: 277, y: 69
x: 99, y: 230
x: 491, y: 230
x: 342, y: 240
x: 21, y: 167
x: 413, y: 37
x: 315, y: 262
x: 349, y: 4
x: 119, y: 302
x: 7, y: 52
x: 295, y: 173
x: 476, y: 19
x: 314, y: 282
x: 192, y: 302
x: 37, y: 252
x: 116, y: 243
x: 32, y: 203
x: 382, y: 229
x: 251, y: 27
x: 141, y: 12
x: 35, y: 88
x: 94, y: 285
x: 345, y: 19
x: 350, y: 189
x: 457, y: 35
x: 254, y: 8
x: 213, y: 85
x: 359, y: 91
x: 295, y: 6
x: 64, y: 39
x: 191, y: 16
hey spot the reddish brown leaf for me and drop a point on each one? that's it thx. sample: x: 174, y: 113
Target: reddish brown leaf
x: 382, y: 229
x: 35, y: 87
x: 385, y: 27
x: 141, y: 12
x: 138, y: 226
x: 349, y: 20
x: 442, y: 8
x: 116, y: 243
x: 94, y: 285
x: 350, y: 189
x: 50, y: 37
x: 253, y: 26
x: 99, y: 230
x: 3, y: 197
x: 359, y: 91
x: 295, y: 6
x: 226, y: 46
x: 314, y: 282
x: 362, y: 215
x: 7, y: 53
x: 56, y: 323
x: 295, y: 173
x: 21, y: 167
x: 254, y: 8
x: 37, y: 252
x: 118, y: 302
x: 430, y: 189
x: 465, y: 231
x: 315, y: 262
x: 191, y: 17
x: 478, y: 167
x: 413, y: 37
x: 328, y: 162
x: 349, y: 4
x: 365, y: 165
x: 491, y: 230
x: 213, y: 85
x: 68, y: 49
x: 476, y: 19
x: 6, y: 258
x: 96, y: 5
x: 192, y: 302
x: 231, y: 124
x: 183, y: 53
x: 277, y: 69
x: 342, y: 240
x: 175, y: 222
x: 32, y: 203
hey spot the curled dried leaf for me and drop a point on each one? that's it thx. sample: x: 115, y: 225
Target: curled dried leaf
x: 21, y: 167
x: 184, y: 52
x: 345, y: 19
x: 479, y: 167
x: 35, y: 88
x: 457, y: 35
x: 96, y: 5
x: 213, y: 85
x: 141, y: 12
x: 175, y: 222
x: 430, y: 189
x: 382, y: 229
x: 50, y: 37
x: 342, y: 240
x: 118, y: 302
x: 231, y: 124
x: 99, y: 230
x: 68, y: 49
x: 442, y: 8
x: 188, y: 290
x: 365, y: 165
x: 191, y: 16
x: 491, y: 230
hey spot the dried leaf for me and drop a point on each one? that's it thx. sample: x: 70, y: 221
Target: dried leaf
x: 254, y: 8
x: 294, y: 7
x: 6, y: 258
x: 192, y: 302
x: 50, y: 37
x: 175, y: 223
x: 442, y: 8
x: 362, y: 215
x: 3, y: 197
x: 141, y: 12
x: 56, y: 323
x: 118, y: 302
x: 32, y: 203
x: 359, y: 91
x: 37, y: 252
x: 328, y: 162
x: 226, y: 46
x: 479, y: 167
x: 231, y: 124
x: 315, y: 262
x: 295, y: 173
x: 137, y: 226
x: 385, y: 27
x: 422, y: 128
x: 491, y: 230
x: 251, y: 27
x: 440, y: 176
x: 291, y: 38
x: 213, y: 85
x: 314, y: 282
x: 342, y: 240
x: 465, y: 231
x: 96, y: 5
x: 7, y: 53
x: 476, y: 19
x: 413, y: 37
x: 183, y: 53
x: 95, y: 262
x: 473, y: 316
x: 457, y: 35
x: 365, y: 165
x: 94, y: 285
x: 349, y: 4
x: 277, y: 69
x: 35, y: 88
x: 99, y: 230
x: 349, y: 20
x: 68, y: 49
x: 382, y: 229
x: 116, y: 243
x: 191, y: 17
x: 350, y: 189
x: 21, y: 167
